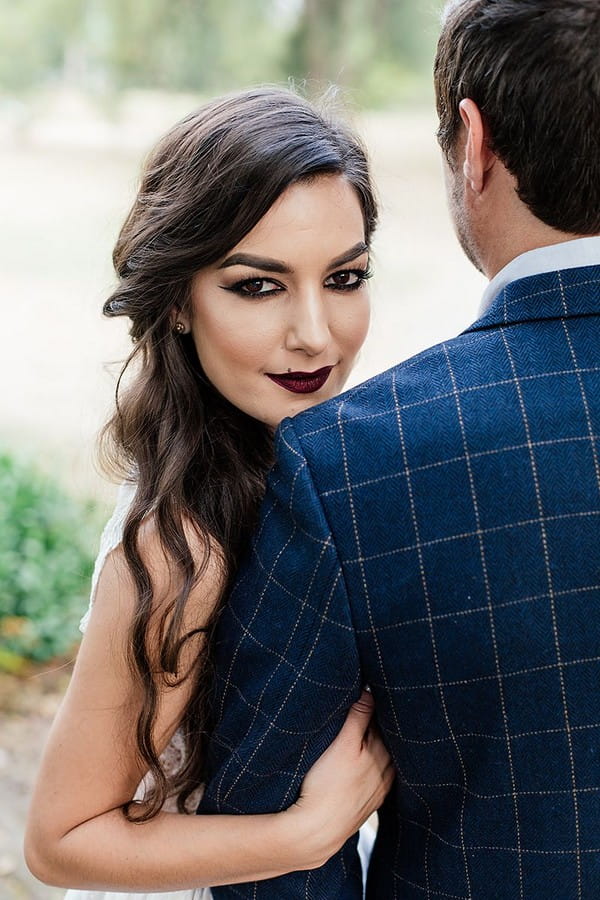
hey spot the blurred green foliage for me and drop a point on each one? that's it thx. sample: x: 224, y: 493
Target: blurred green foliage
x: 372, y: 47
x: 45, y: 565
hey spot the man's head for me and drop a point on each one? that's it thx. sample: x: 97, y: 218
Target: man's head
x: 531, y: 69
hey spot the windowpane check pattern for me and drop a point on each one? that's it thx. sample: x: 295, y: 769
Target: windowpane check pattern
x: 435, y: 533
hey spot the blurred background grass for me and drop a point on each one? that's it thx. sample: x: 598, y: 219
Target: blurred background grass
x: 86, y: 87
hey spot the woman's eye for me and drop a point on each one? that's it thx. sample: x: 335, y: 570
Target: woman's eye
x: 255, y: 287
x: 348, y: 279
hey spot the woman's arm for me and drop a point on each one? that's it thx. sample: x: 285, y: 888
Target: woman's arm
x: 77, y: 835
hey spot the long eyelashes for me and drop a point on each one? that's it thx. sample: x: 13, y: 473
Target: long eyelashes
x: 360, y: 276
x: 255, y: 287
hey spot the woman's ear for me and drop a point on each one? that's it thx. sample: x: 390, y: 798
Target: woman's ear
x: 180, y: 322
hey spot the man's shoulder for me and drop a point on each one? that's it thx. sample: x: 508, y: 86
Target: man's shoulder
x: 416, y: 380
x: 411, y: 408
x: 365, y: 432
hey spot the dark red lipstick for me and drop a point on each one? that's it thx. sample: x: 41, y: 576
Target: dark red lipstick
x: 302, y: 382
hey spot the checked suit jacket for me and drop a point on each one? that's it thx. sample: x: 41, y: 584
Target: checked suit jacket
x: 435, y: 533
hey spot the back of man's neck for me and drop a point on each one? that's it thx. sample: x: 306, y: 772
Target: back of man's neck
x: 518, y: 244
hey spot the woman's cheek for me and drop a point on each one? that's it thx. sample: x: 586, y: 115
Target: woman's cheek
x: 357, y: 327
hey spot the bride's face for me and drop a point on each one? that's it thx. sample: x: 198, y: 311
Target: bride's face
x: 279, y: 321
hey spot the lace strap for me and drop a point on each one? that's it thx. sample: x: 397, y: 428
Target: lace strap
x: 111, y: 538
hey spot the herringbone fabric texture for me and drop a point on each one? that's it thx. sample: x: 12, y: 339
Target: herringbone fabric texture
x: 436, y: 534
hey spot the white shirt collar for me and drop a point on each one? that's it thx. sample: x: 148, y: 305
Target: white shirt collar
x: 568, y: 255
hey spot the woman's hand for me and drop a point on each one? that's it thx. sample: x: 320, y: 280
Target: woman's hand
x: 344, y: 787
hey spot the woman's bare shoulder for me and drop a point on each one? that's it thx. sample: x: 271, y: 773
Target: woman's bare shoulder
x: 117, y: 584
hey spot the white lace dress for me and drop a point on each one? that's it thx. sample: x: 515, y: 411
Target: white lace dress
x: 172, y: 756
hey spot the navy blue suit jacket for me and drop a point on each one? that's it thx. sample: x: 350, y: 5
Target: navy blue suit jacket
x: 435, y: 533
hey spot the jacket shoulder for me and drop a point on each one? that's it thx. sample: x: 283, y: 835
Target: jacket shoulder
x: 419, y: 379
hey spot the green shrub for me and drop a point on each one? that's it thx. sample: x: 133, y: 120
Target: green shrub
x: 45, y: 565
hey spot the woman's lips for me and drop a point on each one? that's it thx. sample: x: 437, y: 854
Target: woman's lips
x: 302, y: 382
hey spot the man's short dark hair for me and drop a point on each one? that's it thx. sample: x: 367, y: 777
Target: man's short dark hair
x: 533, y: 69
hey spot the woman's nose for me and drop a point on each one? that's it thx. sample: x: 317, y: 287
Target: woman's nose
x: 308, y: 327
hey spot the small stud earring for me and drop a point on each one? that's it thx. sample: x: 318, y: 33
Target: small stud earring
x: 179, y: 328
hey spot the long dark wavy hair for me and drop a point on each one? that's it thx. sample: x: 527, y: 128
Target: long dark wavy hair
x: 197, y: 460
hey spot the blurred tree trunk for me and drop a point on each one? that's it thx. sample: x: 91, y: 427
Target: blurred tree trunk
x: 315, y: 49
x: 341, y: 40
x: 318, y: 38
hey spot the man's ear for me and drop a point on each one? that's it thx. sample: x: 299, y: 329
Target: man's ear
x: 479, y: 159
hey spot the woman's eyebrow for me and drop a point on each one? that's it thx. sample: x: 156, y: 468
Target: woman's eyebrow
x: 349, y: 255
x: 267, y: 264
x: 255, y: 262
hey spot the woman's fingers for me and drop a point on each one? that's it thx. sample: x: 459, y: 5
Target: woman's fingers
x: 358, y: 719
x: 389, y: 775
x: 351, y: 778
